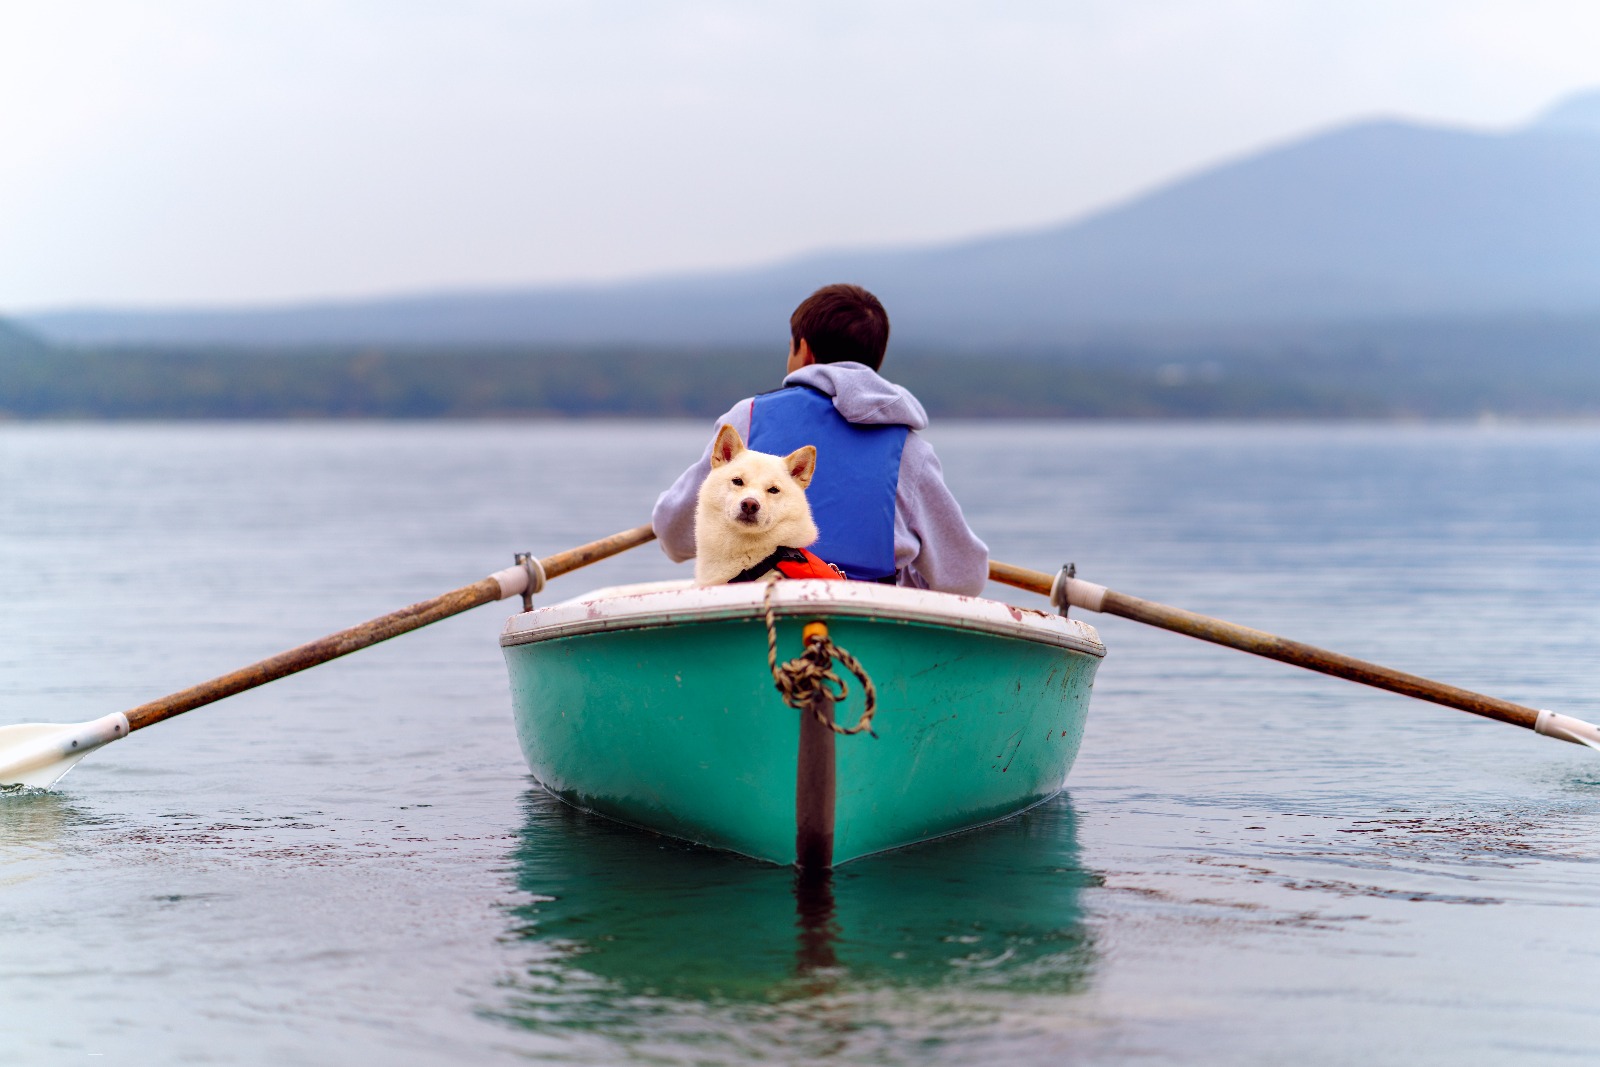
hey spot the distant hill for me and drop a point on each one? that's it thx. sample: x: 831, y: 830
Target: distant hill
x: 15, y: 341
x: 1376, y: 221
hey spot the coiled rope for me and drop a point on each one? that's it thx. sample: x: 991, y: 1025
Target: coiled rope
x: 801, y: 680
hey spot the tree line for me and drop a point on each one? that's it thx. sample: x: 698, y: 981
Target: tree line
x: 1204, y: 381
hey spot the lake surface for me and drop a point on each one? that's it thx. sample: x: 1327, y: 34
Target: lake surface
x: 1251, y: 864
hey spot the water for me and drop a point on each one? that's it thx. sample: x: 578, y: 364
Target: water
x: 1252, y: 864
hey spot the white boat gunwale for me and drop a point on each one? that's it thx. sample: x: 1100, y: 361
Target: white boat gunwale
x: 649, y: 606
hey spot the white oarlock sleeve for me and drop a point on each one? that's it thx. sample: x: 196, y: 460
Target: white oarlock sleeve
x: 523, y: 578
x: 1086, y: 595
x: 1077, y: 593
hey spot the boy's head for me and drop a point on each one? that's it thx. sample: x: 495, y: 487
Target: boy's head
x: 838, y: 323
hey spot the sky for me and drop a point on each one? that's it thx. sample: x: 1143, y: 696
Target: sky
x: 208, y: 152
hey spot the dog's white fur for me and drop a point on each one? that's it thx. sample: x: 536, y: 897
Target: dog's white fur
x: 750, y: 505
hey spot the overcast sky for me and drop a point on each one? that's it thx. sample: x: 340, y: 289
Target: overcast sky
x: 174, y: 152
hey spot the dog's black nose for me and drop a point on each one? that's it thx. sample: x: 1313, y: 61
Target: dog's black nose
x: 749, y: 506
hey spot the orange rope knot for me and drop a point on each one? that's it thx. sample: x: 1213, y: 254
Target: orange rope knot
x: 801, y: 680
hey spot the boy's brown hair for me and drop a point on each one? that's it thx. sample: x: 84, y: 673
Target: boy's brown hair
x: 842, y: 322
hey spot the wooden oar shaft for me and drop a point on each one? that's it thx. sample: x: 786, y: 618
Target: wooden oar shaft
x: 372, y: 631
x: 595, y: 551
x: 1271, y: 646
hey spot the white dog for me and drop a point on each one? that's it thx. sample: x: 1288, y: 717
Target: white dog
x: 750, y: 506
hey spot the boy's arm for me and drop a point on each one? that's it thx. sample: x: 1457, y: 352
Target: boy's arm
x: 673, y: 517
x: 950, y: 558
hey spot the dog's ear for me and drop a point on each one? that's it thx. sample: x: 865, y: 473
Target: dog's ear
x: 727, y: 445
x: 802, y: 465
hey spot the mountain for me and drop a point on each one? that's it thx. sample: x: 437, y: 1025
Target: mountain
x: 1579, y: 113
x: 16, y: 342
x: 1381, y: 220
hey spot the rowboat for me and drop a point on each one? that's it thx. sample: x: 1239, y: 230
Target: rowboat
x: 655, y: 705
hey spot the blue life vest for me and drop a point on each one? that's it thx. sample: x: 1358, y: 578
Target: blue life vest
x: 858, y: 471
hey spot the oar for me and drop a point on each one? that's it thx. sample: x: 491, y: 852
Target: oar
x: 1063, y: 589
x: 36, y: 755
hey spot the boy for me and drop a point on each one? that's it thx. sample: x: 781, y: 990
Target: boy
x: 878, y: 494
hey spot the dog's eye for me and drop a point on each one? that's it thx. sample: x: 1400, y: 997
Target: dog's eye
x: 738, y: 481
x: 772, y: 489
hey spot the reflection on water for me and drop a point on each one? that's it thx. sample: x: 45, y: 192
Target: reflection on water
x: 622, y: 923
x: 34, y: 824
x: 37, y: 819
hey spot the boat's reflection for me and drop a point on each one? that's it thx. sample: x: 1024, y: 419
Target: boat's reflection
x: 614, y: 911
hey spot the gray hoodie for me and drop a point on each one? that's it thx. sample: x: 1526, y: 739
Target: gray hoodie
x: 933, y: 547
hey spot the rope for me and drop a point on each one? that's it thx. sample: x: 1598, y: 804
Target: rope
x: 801, y: 680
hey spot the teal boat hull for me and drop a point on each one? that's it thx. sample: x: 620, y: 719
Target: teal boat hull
x: 658, y: 709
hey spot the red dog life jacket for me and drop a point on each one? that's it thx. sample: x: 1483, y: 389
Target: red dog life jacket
x: 791, y: 563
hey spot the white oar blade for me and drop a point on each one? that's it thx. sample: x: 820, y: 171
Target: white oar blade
x: 34, y: 755
x: 1567, y: 728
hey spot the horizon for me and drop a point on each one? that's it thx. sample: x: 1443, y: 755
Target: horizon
x: 133, y: 194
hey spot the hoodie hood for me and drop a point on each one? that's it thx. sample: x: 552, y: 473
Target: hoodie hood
x: 861, y: 395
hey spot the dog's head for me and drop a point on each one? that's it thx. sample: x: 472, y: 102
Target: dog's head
x: 760, y: 495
